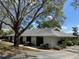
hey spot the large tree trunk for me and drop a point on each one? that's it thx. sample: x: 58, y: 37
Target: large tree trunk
x: 16, y: 41
x: 0, y: 26
x: 16, y: 37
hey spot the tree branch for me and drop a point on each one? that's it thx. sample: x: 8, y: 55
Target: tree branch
x: 39, y: 14
x: 14, y: 6
x: 24, y: 8
x: 6, y: 24
x: 33, y: 19
x: 22, y: 16
x: 7, y: 11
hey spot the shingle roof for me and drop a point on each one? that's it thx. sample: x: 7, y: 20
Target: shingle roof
x: 46, y: 32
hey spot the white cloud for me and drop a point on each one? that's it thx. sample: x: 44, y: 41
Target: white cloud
x: 49, y: 17
x: 78, y: 26
x: 64, y: 28
x: 69, y: 31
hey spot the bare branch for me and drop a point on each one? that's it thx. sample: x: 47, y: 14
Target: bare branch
x: 40, y: 14
x: 7, y: 24
x: 18, y: 10
x: 22, y: 16
x: 8, y: 11
x: 14, y: 6
x: 24, y: 9
x: 33, y: 19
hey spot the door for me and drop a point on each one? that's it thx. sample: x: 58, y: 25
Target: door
x: 28, y: 39
x: 10, y: 40
x: 21, y: 40
x: 39, y: 40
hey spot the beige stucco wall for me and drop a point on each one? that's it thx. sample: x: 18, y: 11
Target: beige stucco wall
x: 24, y: 38
x: 11, y: 39
x: 33, y: 40
x: 52, y: 41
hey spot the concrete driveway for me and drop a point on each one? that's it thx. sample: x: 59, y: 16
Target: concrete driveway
x: 68, y: 53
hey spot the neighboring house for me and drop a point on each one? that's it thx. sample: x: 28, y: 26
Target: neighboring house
x: 43, y: 36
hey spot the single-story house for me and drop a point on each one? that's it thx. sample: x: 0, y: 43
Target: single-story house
x: 43, y: 36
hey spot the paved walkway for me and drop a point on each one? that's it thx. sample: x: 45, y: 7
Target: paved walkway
x: 69, y: 53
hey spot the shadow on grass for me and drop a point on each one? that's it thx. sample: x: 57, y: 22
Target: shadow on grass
x: 15, y: 53
x: 5, y: 57
x: 18, y: 56
x: 10, y: 52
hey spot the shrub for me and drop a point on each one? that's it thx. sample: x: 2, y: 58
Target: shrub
x: 69, y: 43
x: 62, y: 46
x: 75, y: 42
x: 60, y: 42
x: 1, y: 32
x: 57, y: 48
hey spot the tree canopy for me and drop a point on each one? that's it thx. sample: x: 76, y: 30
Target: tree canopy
x: 49, y: 24
x: 75, y: 30
x: 75, y: 3
x: 56, y: 18
x: 19, y: 12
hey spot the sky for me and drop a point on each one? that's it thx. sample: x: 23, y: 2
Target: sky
x: 72, y: 16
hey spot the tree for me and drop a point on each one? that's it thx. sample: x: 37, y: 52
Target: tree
x: 1, y: 23
x: 75, y: 4
x: 55, y: 19
x: 49, y: 24
x: 52, y: 23
x: 75, y: 30
x: 18, y: 12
